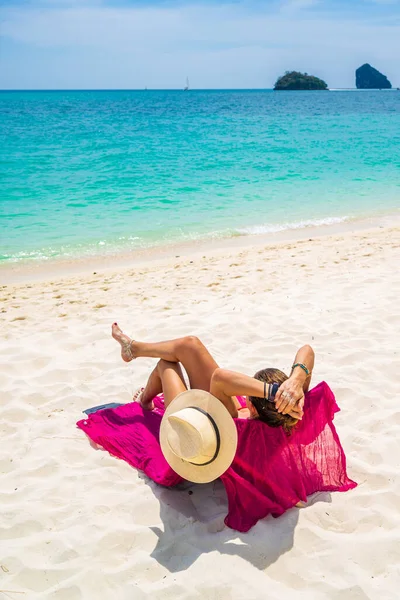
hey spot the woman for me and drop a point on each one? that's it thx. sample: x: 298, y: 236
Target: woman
x: 285, y: 409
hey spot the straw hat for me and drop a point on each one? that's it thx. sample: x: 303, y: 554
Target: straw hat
x: 198, y: 436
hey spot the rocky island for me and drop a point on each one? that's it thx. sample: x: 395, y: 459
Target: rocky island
x: 293, y: 80
x: 368, y: 78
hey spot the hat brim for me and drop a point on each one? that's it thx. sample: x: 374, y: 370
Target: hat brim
x: 227, y: 430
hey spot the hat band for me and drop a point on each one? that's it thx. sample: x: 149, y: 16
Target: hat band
x: 213, y: 423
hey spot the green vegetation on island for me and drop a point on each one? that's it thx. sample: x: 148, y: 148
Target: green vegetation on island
x: 293, y: 80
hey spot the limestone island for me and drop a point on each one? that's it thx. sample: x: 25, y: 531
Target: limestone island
x: 368, y: 78
x: 293, y: 80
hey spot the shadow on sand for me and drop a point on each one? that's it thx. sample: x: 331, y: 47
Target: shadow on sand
x: 193, y: 517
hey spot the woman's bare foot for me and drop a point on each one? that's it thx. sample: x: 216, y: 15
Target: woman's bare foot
x: 125, y: 341
x: 138, y: 397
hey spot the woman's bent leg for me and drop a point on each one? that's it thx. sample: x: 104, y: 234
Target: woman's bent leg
x: 167, y: 377
x: 189, y: 351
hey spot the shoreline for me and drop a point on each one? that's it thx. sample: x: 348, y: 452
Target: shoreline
x: 58, y: 268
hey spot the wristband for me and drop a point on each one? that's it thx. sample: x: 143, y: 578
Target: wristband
x: 273, y: 388
x: 302, y: 366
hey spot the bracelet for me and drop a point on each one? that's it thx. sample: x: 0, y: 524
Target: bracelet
x: 302, y: 366
x: 272, y: 390
x: 275, y: 388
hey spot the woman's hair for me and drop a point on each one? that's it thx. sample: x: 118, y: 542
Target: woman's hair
x: 267, y: 410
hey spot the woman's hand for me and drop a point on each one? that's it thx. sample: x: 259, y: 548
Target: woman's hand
x: 297, y: 411
x: 290, y: 397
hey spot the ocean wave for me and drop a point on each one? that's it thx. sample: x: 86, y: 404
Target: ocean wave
x: 133, y: 242
x: 275, y: 228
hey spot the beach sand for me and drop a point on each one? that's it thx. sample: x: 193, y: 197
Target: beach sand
x: 77, y: 523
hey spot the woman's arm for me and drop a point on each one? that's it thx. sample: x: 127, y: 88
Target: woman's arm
x: 306, y: 357
x: 292, y: 391
x: 226, y: 385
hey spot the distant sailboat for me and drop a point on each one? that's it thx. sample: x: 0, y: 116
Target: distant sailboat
x: 186, y: 88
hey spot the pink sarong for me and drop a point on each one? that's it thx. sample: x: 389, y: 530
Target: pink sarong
x: 271, y: 471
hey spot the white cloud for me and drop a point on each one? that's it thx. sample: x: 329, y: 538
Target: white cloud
x: 218, y: 46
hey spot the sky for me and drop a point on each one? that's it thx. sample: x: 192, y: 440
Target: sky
x: 128, y: 44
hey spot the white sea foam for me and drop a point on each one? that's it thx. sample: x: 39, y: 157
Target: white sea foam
x: 274, y: 228
x: 137, y: 242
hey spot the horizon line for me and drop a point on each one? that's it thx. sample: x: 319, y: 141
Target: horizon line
x: 393, y: 88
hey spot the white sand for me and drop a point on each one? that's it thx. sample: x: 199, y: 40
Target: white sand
x: 77, y: 523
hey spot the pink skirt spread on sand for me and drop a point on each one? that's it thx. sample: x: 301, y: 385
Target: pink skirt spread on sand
x: 271, y: 471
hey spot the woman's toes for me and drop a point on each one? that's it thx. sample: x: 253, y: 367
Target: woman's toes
x: 116, y: 331
x: 137, y: 396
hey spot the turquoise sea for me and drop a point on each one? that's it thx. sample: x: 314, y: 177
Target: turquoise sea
x: 110, y: 171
